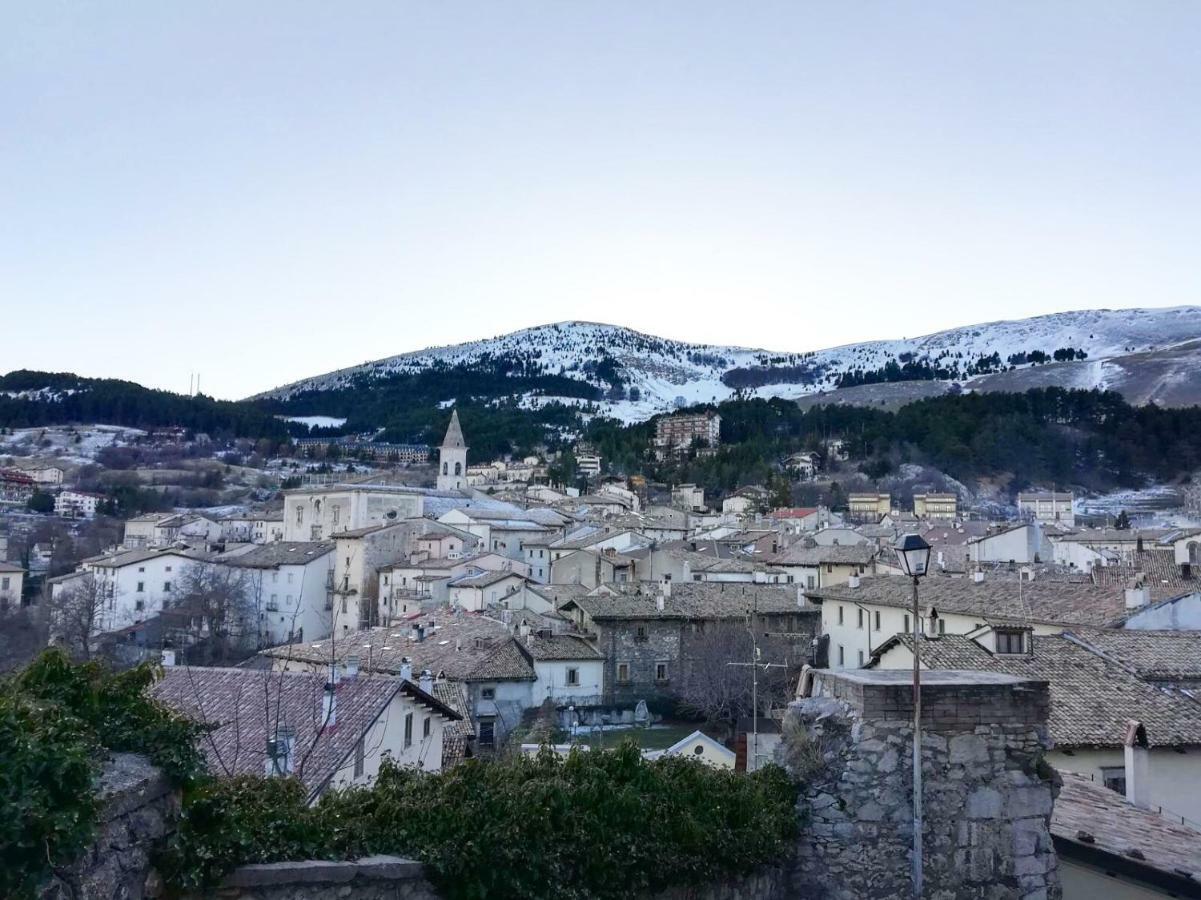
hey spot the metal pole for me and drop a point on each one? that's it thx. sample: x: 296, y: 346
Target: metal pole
x: 917, y: 750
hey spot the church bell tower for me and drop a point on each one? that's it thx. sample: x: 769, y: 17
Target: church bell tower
x: 452, y: 457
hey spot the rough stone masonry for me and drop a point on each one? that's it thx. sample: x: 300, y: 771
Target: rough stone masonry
x: 987, y: 793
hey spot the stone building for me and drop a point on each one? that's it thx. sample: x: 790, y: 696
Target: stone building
x: 987, y: 793
x: 650, y: 634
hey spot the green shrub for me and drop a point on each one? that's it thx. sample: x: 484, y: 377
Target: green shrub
x: 596, y: 825
x: 47, y: 809
x: 58, y: 721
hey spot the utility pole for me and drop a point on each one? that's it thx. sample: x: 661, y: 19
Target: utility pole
x: 755, y: 665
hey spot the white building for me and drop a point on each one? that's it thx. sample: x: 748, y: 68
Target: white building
x: 289, y: 588
x: 77, y: 504
x: 132, y: 585
x: 1048, y: 507
x: 1020, y: 544
x: 12, y: 581
x: 341, y: 727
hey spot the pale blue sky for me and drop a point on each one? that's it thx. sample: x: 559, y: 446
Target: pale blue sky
x: 264, y: 191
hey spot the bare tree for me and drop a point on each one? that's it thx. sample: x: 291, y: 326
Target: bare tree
x: 23, y: 634
x: 75, y: 614
x: 717, y: 680
x: 214, y: 610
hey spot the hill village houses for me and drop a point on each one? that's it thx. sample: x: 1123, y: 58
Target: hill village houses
x: 484, y: 598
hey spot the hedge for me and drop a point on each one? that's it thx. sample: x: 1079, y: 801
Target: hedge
x: 598, y: 824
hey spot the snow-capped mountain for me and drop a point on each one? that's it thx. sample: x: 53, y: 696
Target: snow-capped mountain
x: 1149, y: 354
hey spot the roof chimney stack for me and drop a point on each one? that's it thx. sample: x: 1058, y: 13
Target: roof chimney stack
x: 1137, y: 597
x: 352, y: 668
x: 329, y: 707
x: 660, y: 602
x: 978, y: 576
x: 852, y: 581
x: 426, y: 682
x: 406, y: 669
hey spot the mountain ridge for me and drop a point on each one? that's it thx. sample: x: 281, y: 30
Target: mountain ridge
x: 1148, y: 354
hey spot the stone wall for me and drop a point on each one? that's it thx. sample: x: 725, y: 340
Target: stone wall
x: 140, y: 808
x: 393, y: 878
x: 987, y: 794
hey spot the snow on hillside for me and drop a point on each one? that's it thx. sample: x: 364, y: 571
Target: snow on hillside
x: 665, y: 373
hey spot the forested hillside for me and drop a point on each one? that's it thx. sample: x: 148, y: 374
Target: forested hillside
x: 1090, y: 439
x: 29, y: 399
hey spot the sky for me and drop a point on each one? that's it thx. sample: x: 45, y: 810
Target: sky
x: 263, y: 191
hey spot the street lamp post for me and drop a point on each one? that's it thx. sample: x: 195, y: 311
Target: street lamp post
x: 914, y: 555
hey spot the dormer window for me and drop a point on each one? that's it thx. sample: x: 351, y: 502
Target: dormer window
x: 1010, y: 641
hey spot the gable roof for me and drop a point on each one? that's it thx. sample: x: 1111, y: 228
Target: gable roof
x: 1092, y: 698
x: 246, y: 706
x: 996, y: 599
x: 459, y: 644
x: 1096, y: 825
x: 689, y: 600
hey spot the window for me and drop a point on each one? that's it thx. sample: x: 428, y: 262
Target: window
x: 861, y: 659
x: 141, y: 569
x: 660, y: 671
x: 4, y: 583
x: 166, y: 585
x: 336, y: 511
x: 359, y: 758
x: 273, y: 603
x: 408, y: 730
x: 140, y: 605
x: 425, y: 727
x: 1010, y: 640
x: 877, y: 620
x: 640, y: 633
x: 458, y: 468
x: 573, y: 676
x: 487, y: 732
x: 623, y: 673
x: 488, y: 693
x: 942, y: 626
x: 1114, y: 778
x: 141, y: 586
x: 906, y: 629
x: 810, y: 582
x: 842, y: 655
x: 840, y: 614
x: 167, y: 569
x: 299, y: 515
x: 860, y: 625
x: 289, y: 578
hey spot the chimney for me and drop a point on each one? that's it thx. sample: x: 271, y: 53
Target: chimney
x: 281, y: 752
x: 978, y: 576
x: 335, y: 673
x: 523, y: 630
x: 406, y: 669
x: 1138, y: 765
x: 800, y: 596
x: 853, y: 581
x: 168, y: 657
x: 660, y: 602
x: 329, y: 707
x: 352, y: 668
x: 426, y: 681
x: 1137, y: 597
x: 665, y: 587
